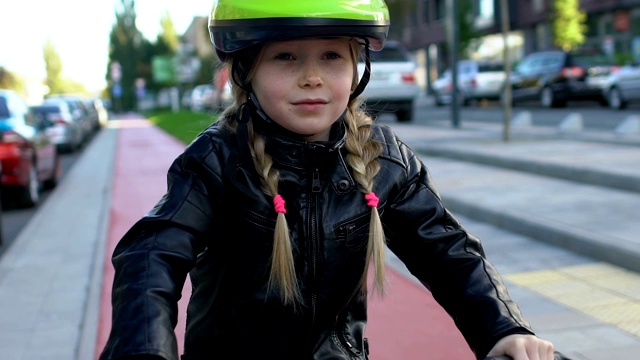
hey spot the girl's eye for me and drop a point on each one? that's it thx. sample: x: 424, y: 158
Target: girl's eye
x: 284, y: 56
x: 332, y: 55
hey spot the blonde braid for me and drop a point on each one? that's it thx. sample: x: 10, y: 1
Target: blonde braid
x: 282, y: 274
x: 362, y: 158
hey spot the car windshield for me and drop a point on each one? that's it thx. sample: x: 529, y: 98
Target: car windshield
x: 4, y: 111
x: 46, y: 109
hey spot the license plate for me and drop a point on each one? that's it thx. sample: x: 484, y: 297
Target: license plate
x: 596, y: 81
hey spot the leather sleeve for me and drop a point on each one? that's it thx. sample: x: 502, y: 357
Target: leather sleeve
x: 153, y: 258
x: 448, y: 260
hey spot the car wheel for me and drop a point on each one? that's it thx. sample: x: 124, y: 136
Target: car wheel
x: 52, y: 182
x: 546, y: 97
x: 30, y: 193
x: 615, y: 99
x: 405, y: 113
x: 462, y: 100
x: 438, y: 100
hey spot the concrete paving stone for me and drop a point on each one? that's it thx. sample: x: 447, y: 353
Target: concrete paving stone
x: 13, y: 343
x: 618, y: 353
x: 533, y: 304
x: 566, y: 320
x: 590, y: 338
x: 52, y: 344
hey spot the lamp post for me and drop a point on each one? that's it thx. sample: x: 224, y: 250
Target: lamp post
x: 454, y: 39
x: 504, y: 16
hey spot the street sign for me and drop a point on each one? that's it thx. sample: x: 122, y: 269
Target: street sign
x: 117, y: 90
x: 116, y: 71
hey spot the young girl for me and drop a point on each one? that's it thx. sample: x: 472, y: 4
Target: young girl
x: 278, y: 210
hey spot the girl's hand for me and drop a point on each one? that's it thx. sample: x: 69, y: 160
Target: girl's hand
x: 523, y: 347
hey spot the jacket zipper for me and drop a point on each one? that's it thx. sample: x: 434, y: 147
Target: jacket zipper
x: 315, y: 189
x: 346, y: 345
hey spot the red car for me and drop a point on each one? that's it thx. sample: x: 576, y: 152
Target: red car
x: 29, y: 159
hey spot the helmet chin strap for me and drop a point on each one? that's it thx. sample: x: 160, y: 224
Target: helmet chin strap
x: 365, y: 75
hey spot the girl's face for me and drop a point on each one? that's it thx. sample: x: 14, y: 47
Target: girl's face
x: 304, y: 85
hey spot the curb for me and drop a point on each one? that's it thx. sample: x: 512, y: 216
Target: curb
x: 565, y: 172
x: 582, y: 242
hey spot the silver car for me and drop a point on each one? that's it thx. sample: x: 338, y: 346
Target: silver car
x: 623, y: 86
x: 63, y: 129
x: 477, y: 80
x: 393, y: 86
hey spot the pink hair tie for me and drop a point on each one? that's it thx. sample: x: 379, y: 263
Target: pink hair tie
x: 278, y: 201
x: 372, y: 199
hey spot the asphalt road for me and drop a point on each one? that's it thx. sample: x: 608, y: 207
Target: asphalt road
x: 594, y: 116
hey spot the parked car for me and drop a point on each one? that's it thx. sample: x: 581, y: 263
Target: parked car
x: 79, y: 110
x: 98, y: 114
x: 63, y: 130
x: 203, y: 97
x: 29, y: 159
x: 623, y: 86
x: 1, y: 216
x: 555, y: 77
x: 477, y: 80
x: 393, y: 86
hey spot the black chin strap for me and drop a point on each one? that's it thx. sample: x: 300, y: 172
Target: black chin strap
x: 242, y: 134
x: 367, y: 72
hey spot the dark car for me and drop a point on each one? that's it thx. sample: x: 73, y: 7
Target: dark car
x: 29, y: 159
x: 556, y: 77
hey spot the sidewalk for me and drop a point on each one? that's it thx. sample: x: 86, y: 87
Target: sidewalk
x: 55, y: 279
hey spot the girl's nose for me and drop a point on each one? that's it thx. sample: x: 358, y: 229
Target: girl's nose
x: 311, y: 76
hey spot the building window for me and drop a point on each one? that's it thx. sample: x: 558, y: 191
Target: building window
x: 538, y: 6
x: 441, y: 9
x: 425, y: 11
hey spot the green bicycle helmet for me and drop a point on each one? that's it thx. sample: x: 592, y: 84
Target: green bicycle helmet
x: 238, y: 24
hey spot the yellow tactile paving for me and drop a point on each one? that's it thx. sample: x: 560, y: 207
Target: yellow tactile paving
x: 605, y: 292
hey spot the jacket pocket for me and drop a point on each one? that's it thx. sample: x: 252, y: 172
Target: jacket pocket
x: 354, y: 231
x: 343, y: 341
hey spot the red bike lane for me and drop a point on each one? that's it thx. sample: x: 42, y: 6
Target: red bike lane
x: 406, y: 324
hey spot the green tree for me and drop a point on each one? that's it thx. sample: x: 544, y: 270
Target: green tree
x: 466, y: 31
x: 126, y: 47
x: 568, y: 24
x: 11, y: 81
x: 53, y: 67
x: 166, y: 46
x: 54, y: 79
x: 168, y: 41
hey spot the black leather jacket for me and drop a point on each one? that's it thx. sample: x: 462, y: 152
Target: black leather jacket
x: 215, y: 224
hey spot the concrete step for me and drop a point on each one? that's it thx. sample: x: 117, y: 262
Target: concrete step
x: 601, y: 222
